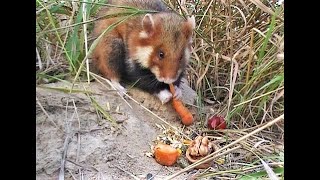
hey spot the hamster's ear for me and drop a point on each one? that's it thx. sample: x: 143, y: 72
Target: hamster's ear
x: 192, y: 21
x: 189, y: 26
x: 148, y: 24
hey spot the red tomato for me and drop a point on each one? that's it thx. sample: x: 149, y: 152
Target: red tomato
x: 217, y: 122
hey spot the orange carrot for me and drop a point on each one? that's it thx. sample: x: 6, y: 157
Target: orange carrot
x: 184, y: 113
x: 165, y: 154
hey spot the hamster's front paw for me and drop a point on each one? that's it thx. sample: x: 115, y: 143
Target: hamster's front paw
x: 119, y: 87
x: 177, y: 92
x: 164, y: 96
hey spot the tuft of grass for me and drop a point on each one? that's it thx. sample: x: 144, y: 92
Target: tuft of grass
x: 59, y: 27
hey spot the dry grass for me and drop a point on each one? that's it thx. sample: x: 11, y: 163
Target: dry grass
x: 236, y: 67
x: 233, y: 62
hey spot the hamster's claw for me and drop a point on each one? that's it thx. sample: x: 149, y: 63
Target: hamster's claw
x: 178, y: 92
x: 122, y: 90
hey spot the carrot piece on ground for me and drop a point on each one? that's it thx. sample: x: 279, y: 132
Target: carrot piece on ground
x: 165, y: 154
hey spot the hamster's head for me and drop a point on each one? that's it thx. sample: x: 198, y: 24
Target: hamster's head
x: 163, y: 45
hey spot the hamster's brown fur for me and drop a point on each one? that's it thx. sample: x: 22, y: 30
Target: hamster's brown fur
x: 150, y: 50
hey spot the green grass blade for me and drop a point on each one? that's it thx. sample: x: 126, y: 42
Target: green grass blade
x: 266, y: 40
x: 277, y: 79
x: 65, y: 90
x: 57, y: 33
x: 73, y: 43
x: 101, y: 110
x: 60, y: 8
x: 261, y: 174
x: 96, y: 5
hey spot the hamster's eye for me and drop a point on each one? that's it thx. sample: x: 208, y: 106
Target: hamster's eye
x: 161, y: 55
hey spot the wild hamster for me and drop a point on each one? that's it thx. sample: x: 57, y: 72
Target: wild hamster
x: 150, y: 50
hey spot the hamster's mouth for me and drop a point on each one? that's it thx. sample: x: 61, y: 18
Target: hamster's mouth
x: 167, y: 80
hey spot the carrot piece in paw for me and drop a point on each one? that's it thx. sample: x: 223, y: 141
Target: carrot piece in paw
x: 184, y: 113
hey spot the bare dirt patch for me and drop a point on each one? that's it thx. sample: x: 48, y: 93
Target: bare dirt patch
x: 94, y: 147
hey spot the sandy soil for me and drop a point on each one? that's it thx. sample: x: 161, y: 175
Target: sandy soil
x: 95, y: 148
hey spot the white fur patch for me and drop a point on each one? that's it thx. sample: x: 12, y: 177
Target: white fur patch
x: 155, y: 70
x: 143, y: 35
x: 164, y: 96
x: 130, y: 63
x: 143, y: 54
